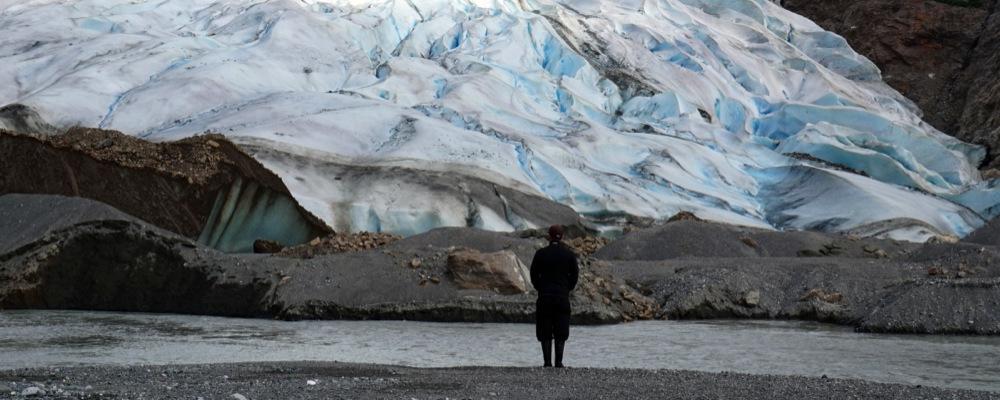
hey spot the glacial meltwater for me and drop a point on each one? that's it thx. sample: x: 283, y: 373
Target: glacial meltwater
x: 68, y: 338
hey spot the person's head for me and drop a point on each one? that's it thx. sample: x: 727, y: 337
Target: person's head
x: 556, y: 233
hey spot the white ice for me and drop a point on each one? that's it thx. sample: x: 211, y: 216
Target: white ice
x: 609, y: 106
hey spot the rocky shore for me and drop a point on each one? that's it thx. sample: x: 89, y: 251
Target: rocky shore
x: 303, y: 380
x: 717, y: 271
x: 73, y: 253
x: 93, y: 257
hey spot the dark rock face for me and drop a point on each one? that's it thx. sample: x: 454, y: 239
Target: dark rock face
x: 203, y: 187
x: 118, y: 265
x: 980, y: 121
x: 944, y: 57
x: 25, y: 218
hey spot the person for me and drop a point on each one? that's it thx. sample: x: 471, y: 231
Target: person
x: 554, y: 273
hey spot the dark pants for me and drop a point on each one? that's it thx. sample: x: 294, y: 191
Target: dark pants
x: 552, y: 318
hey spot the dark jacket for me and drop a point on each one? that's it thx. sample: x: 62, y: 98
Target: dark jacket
x: 554, y: 271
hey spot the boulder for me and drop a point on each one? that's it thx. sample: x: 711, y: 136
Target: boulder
x: 501, y: 271
x: 340, y: 243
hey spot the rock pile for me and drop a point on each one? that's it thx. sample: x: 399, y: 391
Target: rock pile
x: 963, y: 271
x: 587, y: 246
x: 684, y: 216
x: 340, y: 243
x: 597, y: 284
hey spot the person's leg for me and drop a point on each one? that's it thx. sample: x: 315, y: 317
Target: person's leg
x: 547, y: 352
x: 543, y: 330
x: 560, y: 345
x: 561, y: 330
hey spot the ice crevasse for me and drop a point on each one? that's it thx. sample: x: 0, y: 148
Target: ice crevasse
x: 737, y: 110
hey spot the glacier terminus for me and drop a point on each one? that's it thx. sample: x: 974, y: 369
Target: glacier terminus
x: 736, y: 110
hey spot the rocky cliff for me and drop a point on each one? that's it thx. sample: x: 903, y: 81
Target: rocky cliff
x: 945, y: 56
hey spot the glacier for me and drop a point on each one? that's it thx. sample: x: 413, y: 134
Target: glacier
x: 736, y: 110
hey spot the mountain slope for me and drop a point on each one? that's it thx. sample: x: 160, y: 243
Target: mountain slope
x: 737, y: 110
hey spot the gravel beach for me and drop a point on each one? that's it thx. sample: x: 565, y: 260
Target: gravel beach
x: 302, y: 380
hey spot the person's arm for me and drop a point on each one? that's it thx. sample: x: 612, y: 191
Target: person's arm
x: 574, y: 272
x: 534, y: 271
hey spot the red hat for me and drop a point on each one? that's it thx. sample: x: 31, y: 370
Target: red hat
x: 556, y: 233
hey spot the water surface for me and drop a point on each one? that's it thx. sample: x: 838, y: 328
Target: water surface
x: 66, y: 338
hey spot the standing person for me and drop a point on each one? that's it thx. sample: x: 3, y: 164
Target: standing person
x: 554, y: 273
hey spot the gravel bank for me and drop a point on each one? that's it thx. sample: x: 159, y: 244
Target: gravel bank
x: 299, y: 380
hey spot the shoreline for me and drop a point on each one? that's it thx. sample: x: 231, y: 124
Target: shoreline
x: 296, y: 379
x: 80, y: 254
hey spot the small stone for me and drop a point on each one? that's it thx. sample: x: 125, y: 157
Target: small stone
x: 238, y: 396
x: 213, y: 143
x: 104, y: 144
x: 809, y: 253
x: 415, y: 263
x: 32, y: 391
x: 264, y: 246
x: 823, y: 295
x: 749, y: 242
x: 311, y: 382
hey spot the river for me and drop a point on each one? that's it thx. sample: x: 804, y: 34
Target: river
x: 67, y: 338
